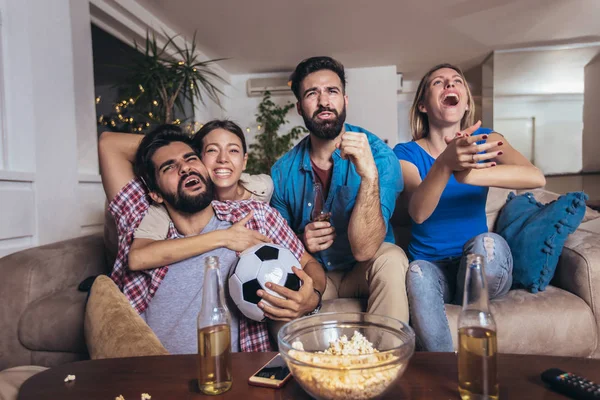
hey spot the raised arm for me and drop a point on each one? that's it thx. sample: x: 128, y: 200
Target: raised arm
x: 367, y: 228
x: 116, y: 152
x: 461, y: 154
x: 513, y: 171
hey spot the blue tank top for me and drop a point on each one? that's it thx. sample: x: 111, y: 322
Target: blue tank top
x: 459, y: 216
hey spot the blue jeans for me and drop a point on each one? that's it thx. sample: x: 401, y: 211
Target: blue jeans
x: 431, y: 284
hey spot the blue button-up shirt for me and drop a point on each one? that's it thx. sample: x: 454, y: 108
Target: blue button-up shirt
x: 293, y: 193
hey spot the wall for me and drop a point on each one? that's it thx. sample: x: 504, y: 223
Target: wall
x: 558, y: 127
x: 371, y: 102
x: 547, y: 84
x: 49, y: 184
x: 591, y: 117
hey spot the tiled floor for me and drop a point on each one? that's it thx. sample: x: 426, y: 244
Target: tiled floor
x: 590, y: 184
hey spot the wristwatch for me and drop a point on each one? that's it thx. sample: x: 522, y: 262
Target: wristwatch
x: 319, y: 304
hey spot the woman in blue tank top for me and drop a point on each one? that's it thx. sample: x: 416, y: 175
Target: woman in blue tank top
x: 447, y: 170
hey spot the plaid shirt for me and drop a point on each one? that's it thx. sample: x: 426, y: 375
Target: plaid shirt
x: 130, y: 206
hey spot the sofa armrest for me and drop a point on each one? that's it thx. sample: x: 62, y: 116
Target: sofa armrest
x: 33, y: 274
x: 578, y: 270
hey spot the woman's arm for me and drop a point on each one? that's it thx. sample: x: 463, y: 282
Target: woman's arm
x: 147, y: 253
x: 424, y: 195
x: 513, y: 171
x: 460, y: 154
x: 150, y: 253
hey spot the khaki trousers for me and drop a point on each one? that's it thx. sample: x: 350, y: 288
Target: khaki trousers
x: 381, y: 281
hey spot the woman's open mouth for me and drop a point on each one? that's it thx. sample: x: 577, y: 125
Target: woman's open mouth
x: 450, y: 99
x: 222, y: 173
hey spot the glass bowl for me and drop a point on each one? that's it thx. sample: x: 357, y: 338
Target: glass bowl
x: 354, y: 376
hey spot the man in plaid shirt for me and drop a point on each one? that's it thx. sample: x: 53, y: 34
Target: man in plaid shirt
x: 130, y: 202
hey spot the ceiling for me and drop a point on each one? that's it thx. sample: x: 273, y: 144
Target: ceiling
x: 274, y: 35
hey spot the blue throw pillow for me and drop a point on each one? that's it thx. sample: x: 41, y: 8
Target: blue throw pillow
x: 536, y: 234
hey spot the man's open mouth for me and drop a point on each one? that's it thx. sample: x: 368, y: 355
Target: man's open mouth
x: 325, y: 114
x: 191, y: 181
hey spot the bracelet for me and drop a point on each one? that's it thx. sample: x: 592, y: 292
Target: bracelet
x: 319, y: 304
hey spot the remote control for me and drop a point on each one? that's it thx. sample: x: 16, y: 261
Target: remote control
x: 572, y: 385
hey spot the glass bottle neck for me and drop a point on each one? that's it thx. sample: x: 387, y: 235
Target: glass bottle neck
x: 213, y: 297
x: 476, y: 295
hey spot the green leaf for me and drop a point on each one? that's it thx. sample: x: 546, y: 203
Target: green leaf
x: 269, y: 146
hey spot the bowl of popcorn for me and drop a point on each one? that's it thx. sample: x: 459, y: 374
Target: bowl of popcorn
x: 346, y: 355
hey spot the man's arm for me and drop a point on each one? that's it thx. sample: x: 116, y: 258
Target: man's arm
x: 116, y: 152
x: 296, y: 304
x: 277, y: 201
x: 367, y: 228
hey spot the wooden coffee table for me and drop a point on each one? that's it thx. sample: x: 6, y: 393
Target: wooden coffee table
x: 429, y: 376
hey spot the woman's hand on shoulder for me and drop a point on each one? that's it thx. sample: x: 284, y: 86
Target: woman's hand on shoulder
x: 239, y: 238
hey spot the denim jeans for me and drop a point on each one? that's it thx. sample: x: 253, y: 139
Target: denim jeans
x: 431, y: 284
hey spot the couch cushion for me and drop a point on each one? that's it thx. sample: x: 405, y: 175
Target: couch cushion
x: 11, y: 380
x: 552, y: 322
x: 591, y: 225
x: 113, y: 328
x: 495, y: 201
x: 536, y: 234
x: 55, y: 323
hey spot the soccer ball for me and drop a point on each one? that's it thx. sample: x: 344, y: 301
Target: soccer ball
x: 256, y: 266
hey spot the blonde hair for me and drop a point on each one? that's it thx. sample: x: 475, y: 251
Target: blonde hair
x: 419, y: 123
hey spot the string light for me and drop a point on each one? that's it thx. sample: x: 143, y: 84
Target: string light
x: 248, y: 130
x: 192, y: 85
x: 131, y: 101
x: 147, y: 124
x: 118, y: 109
x: 141, y: 88
x: 131, y: 120
x: 181, y: 63
x: 194, y: 69
x: 155, y: 102
x: 101, y: 119
x: 98, y: 99
x: 258, y: 127
x: 150, y: 115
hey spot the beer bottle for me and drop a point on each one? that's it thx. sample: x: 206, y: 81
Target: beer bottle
x: 214, y: 334
x: 477, y: 346
x: 318, y: 212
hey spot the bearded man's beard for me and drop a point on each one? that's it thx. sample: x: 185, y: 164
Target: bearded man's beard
x: 190, y: 203
x: 325, y: 129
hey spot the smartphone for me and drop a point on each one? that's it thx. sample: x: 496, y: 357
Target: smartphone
x: 273, y: 374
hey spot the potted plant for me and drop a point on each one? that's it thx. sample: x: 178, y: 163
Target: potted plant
x: 269, y: 145
x: 163, y: 81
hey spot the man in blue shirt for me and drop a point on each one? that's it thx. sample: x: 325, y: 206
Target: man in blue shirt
x: 347, y: 229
